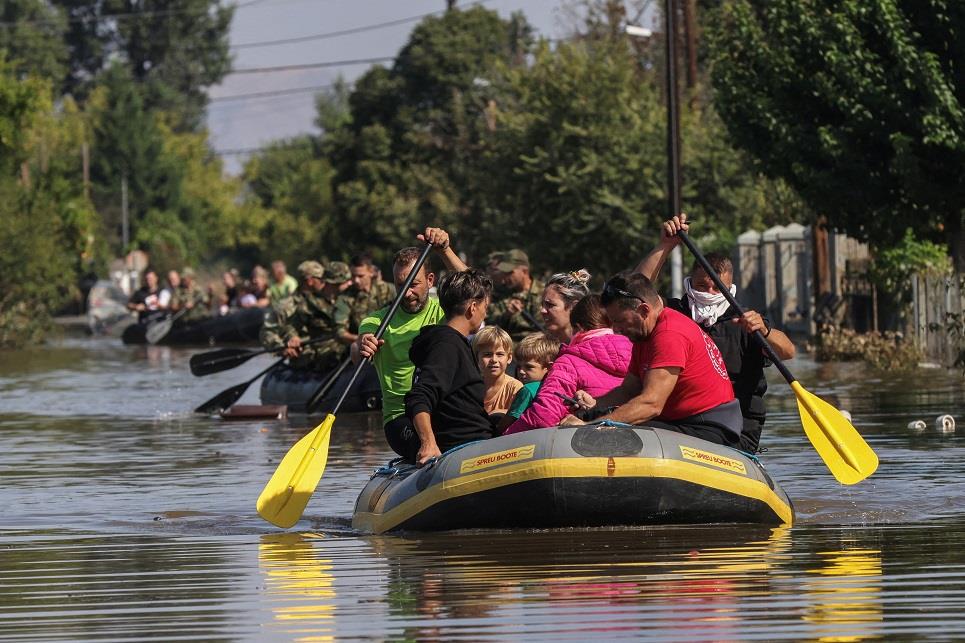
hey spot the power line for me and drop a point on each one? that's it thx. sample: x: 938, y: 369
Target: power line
x: 251, y: 150
x: 265, y: 94
x: 331, y: 63
x: 344, y: 32
x: 123, y: 16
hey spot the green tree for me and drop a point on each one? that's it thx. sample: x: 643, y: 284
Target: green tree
x: 32, y: 36
x: 857, y: 104
x: 49, y: 228
x: 128, y: 144
x: 175, y: 49
x: 406, y: 154
x: 291, y: 187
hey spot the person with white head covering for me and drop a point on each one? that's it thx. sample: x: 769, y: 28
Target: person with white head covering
x: 733, y: 333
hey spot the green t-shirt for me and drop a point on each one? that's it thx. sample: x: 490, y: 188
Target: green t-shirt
x: 278, y: 291
x: 523, y: 398
x: 392, y: 360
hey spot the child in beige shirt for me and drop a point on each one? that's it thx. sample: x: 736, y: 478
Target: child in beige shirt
x: 493, y: 348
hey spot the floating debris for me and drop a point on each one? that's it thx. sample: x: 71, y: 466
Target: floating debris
x: 917, y: 425
x: 945, y: 424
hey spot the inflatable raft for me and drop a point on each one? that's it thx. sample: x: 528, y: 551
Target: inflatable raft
x: 589, y: 476
x: 241, y: 326
x: 294, y: 388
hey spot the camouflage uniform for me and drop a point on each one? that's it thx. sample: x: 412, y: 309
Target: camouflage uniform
x: 354, y: 305
x: 308, y: 316
x: 193, y: 294
x: 517, y: 325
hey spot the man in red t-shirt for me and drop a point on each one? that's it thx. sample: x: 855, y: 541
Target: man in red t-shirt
x: 677, y: 379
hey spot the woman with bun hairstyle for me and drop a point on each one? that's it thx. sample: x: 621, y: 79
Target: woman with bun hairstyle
x: 560, y: 295
x: 595, y: 358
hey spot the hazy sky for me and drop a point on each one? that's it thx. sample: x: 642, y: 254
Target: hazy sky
x: 252, y: 122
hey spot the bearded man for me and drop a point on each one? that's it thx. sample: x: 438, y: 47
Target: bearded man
x: 390, y: 355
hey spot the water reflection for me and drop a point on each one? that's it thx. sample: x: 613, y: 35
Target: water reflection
x: 126, y: 517
x: 299, y: 585
x: 845, y: 595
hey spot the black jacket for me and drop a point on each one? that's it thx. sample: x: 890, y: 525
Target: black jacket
x: 742, y: 355
x: 448, y: 386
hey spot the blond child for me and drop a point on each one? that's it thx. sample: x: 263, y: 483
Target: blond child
x: 534, y: 356
x: 493, y: 348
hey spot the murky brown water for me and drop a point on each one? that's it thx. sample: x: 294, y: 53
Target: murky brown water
x: 125, y: 517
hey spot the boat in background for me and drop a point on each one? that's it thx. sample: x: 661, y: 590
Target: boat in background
x: 107, y: 312
x: 239, y: 327
x: 294, y: 388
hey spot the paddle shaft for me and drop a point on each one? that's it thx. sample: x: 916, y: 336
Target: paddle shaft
x: 273, y: 366
x: 236, y: 391
x: 319, y: 395
x: 241, y: 358
x: 416, y: 267
x: 532, y: 320
x: 165, y: 324
x: 733, y: 302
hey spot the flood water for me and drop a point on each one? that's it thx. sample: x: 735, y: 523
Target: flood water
x: 126, y: 517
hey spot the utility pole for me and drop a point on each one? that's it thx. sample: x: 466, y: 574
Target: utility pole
x: 690, y: 34
x: 673, y: 142
x: 125, y: 227
x: 85, y: 164
x: 450, y: 5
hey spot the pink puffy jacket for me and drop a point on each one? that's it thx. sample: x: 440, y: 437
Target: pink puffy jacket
x: 595, y: 361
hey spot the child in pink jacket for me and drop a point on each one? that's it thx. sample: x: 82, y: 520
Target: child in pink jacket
x: 595, y: 361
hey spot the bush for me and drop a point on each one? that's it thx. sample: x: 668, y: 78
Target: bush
x: 883, y: 351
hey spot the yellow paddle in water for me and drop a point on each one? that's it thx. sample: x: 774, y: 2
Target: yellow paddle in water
x: 839, y: 444
x: 284, y: 498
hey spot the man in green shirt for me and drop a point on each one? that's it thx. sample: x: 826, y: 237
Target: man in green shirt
x: 390, y: 355
x: 284, y: 284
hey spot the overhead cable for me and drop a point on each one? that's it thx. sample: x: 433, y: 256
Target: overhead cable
x: 344, y: 32
x: 331, y: 63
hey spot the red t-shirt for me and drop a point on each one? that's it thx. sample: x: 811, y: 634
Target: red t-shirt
x: 676, y: 341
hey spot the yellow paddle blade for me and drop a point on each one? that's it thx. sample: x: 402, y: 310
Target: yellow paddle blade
x: 284, y: 498
x: 839, y: 444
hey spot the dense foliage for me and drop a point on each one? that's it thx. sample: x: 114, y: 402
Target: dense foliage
x: 477, y: 126
x: 560, y: 151
x: 127, y: 84
x: 855, y: 103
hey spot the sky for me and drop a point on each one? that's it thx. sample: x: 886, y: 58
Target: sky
x: 238, y: 124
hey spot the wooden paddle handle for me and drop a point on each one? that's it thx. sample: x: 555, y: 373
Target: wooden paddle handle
x: 702, y: 260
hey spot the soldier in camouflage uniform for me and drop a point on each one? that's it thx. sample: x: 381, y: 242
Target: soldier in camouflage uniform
x: 307, y: 314
x: 190, y: 296
x: 521, y: 293
x: 367, y: 294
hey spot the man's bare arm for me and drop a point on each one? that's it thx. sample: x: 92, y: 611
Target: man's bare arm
x: 657, y: 386
x: 651, y: 265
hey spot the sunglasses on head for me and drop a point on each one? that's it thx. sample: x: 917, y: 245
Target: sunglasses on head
x: 612, y: 293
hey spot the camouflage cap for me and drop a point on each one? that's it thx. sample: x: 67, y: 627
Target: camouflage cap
x: 511, y: 260
x: 311, y: 269
x: 188, y: 273
x: 338, y: 272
